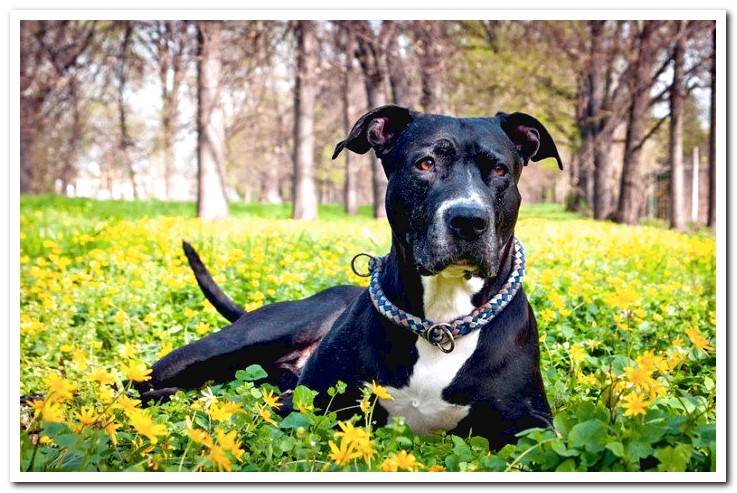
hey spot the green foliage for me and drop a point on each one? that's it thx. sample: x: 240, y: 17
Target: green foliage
x: 626, y: 336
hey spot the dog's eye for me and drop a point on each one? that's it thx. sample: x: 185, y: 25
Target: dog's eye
x: 500, y: 170
x: 425, y: 164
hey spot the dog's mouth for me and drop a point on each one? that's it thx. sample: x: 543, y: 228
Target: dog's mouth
x: 455, y: 268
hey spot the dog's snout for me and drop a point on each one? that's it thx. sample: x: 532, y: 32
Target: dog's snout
x: 467, y: 222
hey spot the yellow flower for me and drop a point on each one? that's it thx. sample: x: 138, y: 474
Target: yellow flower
x: 111, y: 429
x: 120, y: 317
x: 218, y: 457
x: 697, y: 339
x: 674, y: 360
x: 365, y: 405
x: 223, y: 411
x: 587, y: 380
x: 577, y: 353
x: 634, y: 404
x: 126, y: 404
x: 436, y: 468
x: 50, y: 411
x: 44, y: 440
x: 137, y: 371
x: 144, y: 425
x: 59, y: 388
x: 655, y: 389
x: 556, y: 300
x: 165, y: 349
x: 265, y: 414
x: 269, y: 398
x: 622, y: 298
x: 547, y: 315
x: 380, y: 391
x: 350, y: 432
x: 638, y: 376
x: 344, y: 453
x: 228, y: 442
x: 87, y: 416
x: 103, y: 377
x: 127, y: 350
x: 400, y: 461
x: 202, y: 329
x: 200, y: 436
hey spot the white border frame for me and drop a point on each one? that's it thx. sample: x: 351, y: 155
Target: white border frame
x: 297, y: 477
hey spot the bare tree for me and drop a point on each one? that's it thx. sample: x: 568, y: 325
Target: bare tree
x: 595, y: 52
x: 305, y: 193
x: 643, y: 75
x: 432, y: 52
x: 397, y: 68
x: 51, y: 54
x: 675, y: 147
x: 166, y: 42
x: 125, y: 142
x: 347, y: 43
x: 212, y: 202
x: 371, y: 53
x: 712, y: 216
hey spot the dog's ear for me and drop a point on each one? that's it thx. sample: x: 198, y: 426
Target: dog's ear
x: 529, y: 136
x: 376, y: 129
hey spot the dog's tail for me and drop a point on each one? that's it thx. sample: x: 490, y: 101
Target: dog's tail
x: 222, y: 303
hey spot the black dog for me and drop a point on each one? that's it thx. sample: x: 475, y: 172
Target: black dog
x: 452, y: 203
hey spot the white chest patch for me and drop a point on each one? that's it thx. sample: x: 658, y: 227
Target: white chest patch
x: 447, y: 296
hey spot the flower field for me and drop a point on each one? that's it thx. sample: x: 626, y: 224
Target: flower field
x: 627, y: 335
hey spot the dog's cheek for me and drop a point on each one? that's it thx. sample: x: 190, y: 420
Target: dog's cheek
x: 507, y: 209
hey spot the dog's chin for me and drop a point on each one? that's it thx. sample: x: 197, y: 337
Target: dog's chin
x: 455, y: 268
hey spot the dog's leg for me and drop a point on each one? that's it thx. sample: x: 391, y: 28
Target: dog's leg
x: 279, y: 337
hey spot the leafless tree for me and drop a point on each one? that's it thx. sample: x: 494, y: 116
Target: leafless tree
x: 713, y: 129
x: 51, y: 55
x: 645, y: 69
x: 305, y: 193
x: 212, y: 202
x: 675, y: 147
x: 432, y: 53
x: 371, y: 49
x: 166, y: 43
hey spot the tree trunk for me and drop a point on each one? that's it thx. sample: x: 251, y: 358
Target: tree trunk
x: 712, y: 214
x: 675, y: 144
x: 270, y: 186
x: 212, y: 202
x: 370, y: 51
x: 29, y: 109
x: 377, y: 97
x: 305, y: 195
x: 350, y: 194
x: 600, y: 139
x: 69, y: 167
x: 431, y: 53
x: 124, y: 138
x: 170, y: 53
x: 631, y: 192
x: 396, y: 67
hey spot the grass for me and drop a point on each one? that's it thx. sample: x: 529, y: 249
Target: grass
x: 627, y: 334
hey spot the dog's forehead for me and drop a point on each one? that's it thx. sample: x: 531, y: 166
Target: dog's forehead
x: 464, y: 133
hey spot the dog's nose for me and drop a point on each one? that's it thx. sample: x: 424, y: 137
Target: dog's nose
x: 467, y: 222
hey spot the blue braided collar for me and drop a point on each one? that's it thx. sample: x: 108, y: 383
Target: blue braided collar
x: 443, y: 335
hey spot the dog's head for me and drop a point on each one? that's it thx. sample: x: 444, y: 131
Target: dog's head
x: 452, y: 198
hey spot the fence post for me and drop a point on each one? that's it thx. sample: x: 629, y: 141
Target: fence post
x: 695, y: 186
